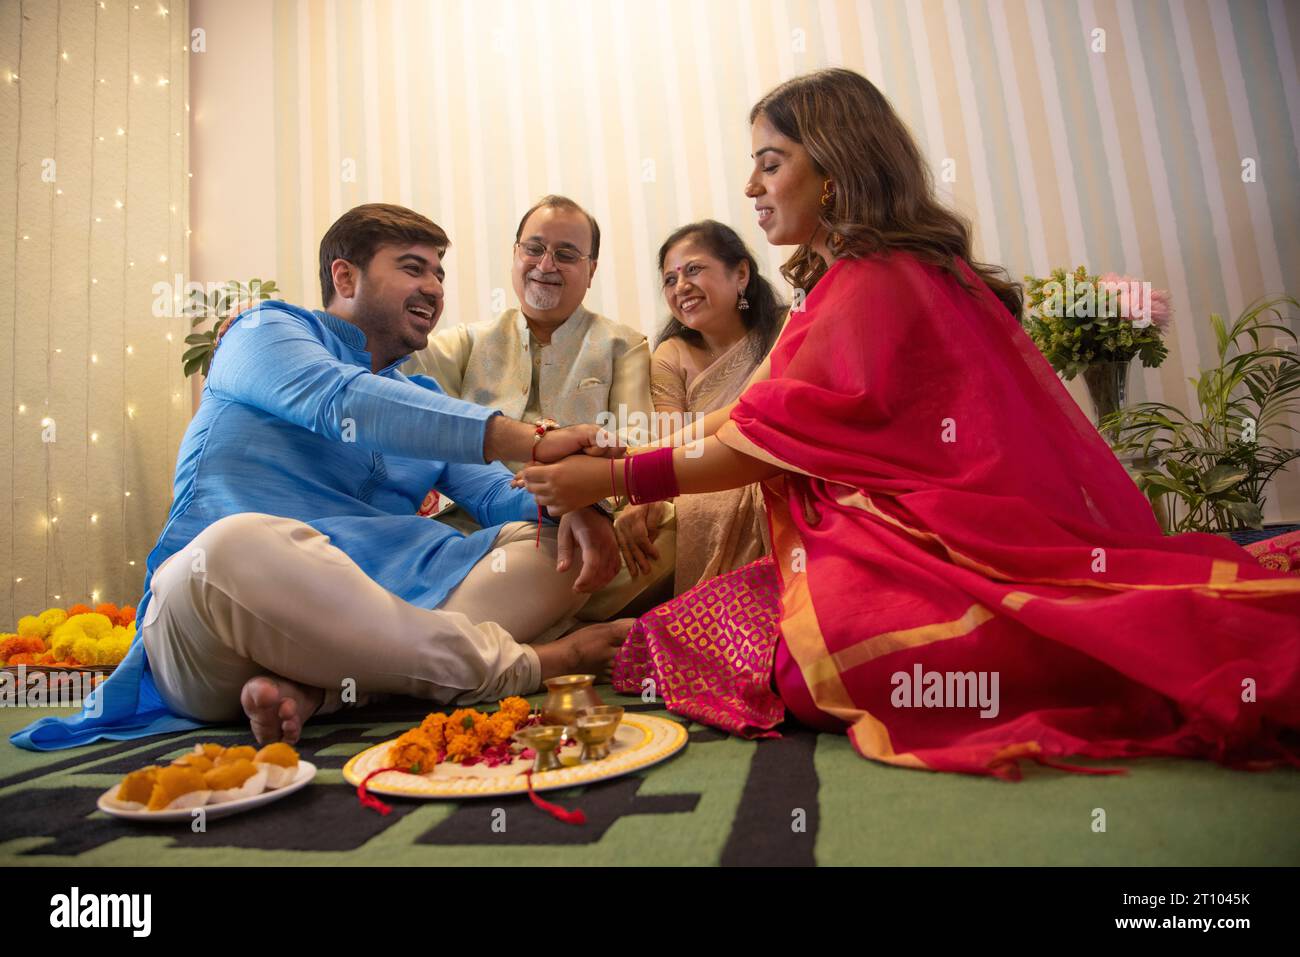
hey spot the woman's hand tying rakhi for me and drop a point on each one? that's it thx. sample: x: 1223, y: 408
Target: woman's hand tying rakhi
x: 572, y: 483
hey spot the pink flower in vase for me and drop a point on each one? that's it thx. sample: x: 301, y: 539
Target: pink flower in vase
x: 1136, y: 300
x: 1162, y: 310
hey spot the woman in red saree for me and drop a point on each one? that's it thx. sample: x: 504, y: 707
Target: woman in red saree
x: 963, y: 575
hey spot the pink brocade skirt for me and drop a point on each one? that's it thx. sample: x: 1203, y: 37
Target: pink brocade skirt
x: 710, y: 652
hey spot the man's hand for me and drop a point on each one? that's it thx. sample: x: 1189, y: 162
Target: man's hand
x: 587, y: 439
x: 508, y: 440
x: 594, y: 536
x: 635, y: 529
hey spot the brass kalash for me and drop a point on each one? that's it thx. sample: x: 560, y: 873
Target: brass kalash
x: 572, y: 709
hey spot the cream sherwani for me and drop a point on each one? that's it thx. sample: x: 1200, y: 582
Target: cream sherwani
x: 592, y: 368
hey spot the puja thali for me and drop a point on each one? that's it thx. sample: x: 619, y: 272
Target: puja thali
x: 639, y: 742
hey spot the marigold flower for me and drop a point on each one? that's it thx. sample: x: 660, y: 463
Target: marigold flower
x: 517, y: 708
x: 500, y: 727
x: 126, y: 615
x: 108, y: 609
x: 434, y: 727
x: 413, y: 752
x: 64, y: 637
x: 463, y: 721
x: 111, y: 650
x: 462, y: 746
x: 53, y: 617
x: 11, y: 645
x: 29, y: 626
x: 79, y: 609
x: 93, y: 624
x: 86, y: 650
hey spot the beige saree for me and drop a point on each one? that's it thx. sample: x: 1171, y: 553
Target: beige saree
x: 719, y: 531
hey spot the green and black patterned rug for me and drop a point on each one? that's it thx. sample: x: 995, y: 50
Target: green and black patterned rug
x: 799, y: 800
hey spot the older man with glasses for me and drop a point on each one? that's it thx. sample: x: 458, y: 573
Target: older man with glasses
x: 552, y: 358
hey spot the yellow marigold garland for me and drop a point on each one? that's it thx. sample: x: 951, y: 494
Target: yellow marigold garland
x: 73, y: 637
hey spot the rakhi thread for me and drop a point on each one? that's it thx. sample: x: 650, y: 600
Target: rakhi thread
x: 576, y: 816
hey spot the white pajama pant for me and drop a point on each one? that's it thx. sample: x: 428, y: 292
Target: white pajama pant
x: 257, y: 594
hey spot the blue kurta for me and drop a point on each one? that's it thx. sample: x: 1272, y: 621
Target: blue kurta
x: 293, y: 423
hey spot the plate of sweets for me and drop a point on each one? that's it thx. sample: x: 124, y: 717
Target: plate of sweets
x: 469, y: 754
x: 221, y: 781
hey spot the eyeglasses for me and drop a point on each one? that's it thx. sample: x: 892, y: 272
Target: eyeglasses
x: 533, y: 251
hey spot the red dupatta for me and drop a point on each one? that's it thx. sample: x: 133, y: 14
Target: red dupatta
x: 950, y: 515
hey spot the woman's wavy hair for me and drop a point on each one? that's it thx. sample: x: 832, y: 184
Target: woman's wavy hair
x: 883, y: 189
x: 762, y: 319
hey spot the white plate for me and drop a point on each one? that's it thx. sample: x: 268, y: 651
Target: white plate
x: 306, y: 771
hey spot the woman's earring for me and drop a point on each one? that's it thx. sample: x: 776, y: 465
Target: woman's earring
x: 742, y: 303
x: 827, y: 194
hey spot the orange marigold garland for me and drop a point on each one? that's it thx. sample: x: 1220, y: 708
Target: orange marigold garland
x: 465, y: 737
x: 20, y: 644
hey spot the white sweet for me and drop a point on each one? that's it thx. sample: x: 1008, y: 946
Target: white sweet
x: 277, y: 776
x: 186, y: 801
x: 254, y: 786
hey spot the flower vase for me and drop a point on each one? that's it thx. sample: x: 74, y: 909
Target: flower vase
x: 1107, y: 384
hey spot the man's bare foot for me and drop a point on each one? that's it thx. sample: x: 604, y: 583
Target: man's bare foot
x: 588, y: 650
x: 278, y: 708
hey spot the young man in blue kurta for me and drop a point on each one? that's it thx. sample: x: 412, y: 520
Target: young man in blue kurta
x: 294, y: 574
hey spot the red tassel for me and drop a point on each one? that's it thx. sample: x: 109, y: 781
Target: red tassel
x: 554, y: 810
x: 544, y: 426
x: 369, y: 800
x: 538, y: 543
x: 560, y: 814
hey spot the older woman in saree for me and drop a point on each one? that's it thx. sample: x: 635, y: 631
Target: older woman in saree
x: 724, y: 318
x: 939, y: 507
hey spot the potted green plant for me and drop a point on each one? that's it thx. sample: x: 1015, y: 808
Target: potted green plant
x: 216, y: 305
x: 1097, y: 325
x: 1211, y: 470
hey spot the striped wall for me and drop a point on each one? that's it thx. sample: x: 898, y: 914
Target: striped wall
x: 1121, y: 149
x: 93, y: 198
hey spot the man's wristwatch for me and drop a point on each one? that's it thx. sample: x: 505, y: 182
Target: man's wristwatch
x: 604, y: 508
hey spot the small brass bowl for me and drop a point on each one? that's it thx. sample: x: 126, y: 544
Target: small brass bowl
x: 595, y: 727
x: 544, y: 739
x: 567, y: 695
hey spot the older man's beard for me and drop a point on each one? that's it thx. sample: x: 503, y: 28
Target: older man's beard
x: 539, y: 296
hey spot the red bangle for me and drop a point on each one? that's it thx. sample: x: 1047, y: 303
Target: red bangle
x: 652, y: 479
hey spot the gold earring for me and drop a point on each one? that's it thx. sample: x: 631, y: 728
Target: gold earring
x: 827, y: 193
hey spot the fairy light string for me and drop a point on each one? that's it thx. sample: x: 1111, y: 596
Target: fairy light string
x: 13, y: 344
